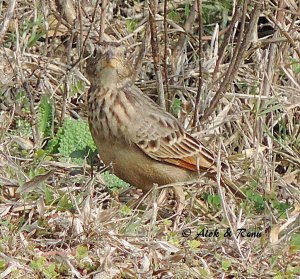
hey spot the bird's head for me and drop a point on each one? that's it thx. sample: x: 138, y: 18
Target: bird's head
x: 108, y: 66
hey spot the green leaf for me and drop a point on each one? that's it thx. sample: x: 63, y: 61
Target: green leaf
x: 113, y: 182
x: 49, y: 271
x: 194, y: 244
x: 64, y: 204
x: 273, y: 261
x: 37, y: 264
x: 39, y: 154
x: 81, y: 252
x: 2, y: 265
x: 203, y: 272
x: 296, y: 66
x: 74, y: 141
x: 174, y: 15
x: 214, y: 200
x: 45, y: 115
x: 270, y: 109
x: 295, y: 270
x: 125, y: 210
x: 226, y: 264
x: 77, y: 88
x: 187, y: 10
x: 295, y: 241
x: 130, y: 25
x: 175, y: 106
x: 48, y: 196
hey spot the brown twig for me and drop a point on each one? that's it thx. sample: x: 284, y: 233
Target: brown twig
x: 235, y: 18
x: 103, y: 17
x: 33, y: 120
x: 240, y: 49
x: 141, y: 55
x: 168, y: 96
x: 199, y: 90
x: 80, y: 26
x: 285, y: 33
x: 155, y: 53
x: 187, y: 27
x: 64, y: 101
x: 7, y: 18
x: 87, y: 35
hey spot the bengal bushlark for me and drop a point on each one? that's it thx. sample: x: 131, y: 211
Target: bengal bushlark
x: 145, y: 144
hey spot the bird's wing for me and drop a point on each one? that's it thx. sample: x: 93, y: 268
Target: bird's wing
x: 162, y: 137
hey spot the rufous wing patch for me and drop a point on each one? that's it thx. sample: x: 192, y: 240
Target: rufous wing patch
x: 192, y: 163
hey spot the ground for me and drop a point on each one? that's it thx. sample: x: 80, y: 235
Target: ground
x: 64, y: 216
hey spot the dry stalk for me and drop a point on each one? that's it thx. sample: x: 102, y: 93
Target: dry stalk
x: 155, y: 53
x: 199, y: 90
x: 285, y: 33
x: 142, y: 51
x: 7, y: 18
x: 235, y: 18
x: 168, y: 96
x: 241, y: 47
x: 87, y: 35
x: 33, y: 120
x: 104, y: 6
x: 187, y: 27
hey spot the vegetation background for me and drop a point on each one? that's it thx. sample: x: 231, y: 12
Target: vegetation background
x: 230, y: 73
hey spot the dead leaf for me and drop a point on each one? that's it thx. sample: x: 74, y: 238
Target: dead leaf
x: 4, y: 209
x: 8, y: 181
x: 291, y: 177
x: 40, y: 206
x: 274, y: 233
x: 166, y: 246
x: 23, y: 143
x: 250, y: 152
x: 33, y: 183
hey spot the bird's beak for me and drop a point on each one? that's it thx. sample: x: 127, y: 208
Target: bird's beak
x: 109, y: 55
x: 110, y: 59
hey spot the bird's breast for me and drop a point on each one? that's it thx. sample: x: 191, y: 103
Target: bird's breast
x: 110, y: 113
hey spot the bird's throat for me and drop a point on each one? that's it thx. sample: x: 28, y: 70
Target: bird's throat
x: 108, y: 77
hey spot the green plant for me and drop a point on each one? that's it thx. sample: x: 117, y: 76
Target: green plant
x: 255, y: 197
x: 45, y: 117
x: 73, y: 140
x: 131, y: 25
x: 225, y: 264
x: 64, y: 204
x: 215, y: 11
x: 41, y: 266
x: 175, y: 106
x: 35, y: 29
x: 212, y: 200
x: 82, y: 259
x: 296, y: 66
x: 81, y: 252
x: 125, y: 210
x: 77, y: 87
x: 113, y: 182
x: 194, y: 245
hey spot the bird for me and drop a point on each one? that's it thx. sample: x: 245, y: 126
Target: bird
x: 145, y: 144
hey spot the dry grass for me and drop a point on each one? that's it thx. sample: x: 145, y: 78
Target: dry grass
x: 57, y: 221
